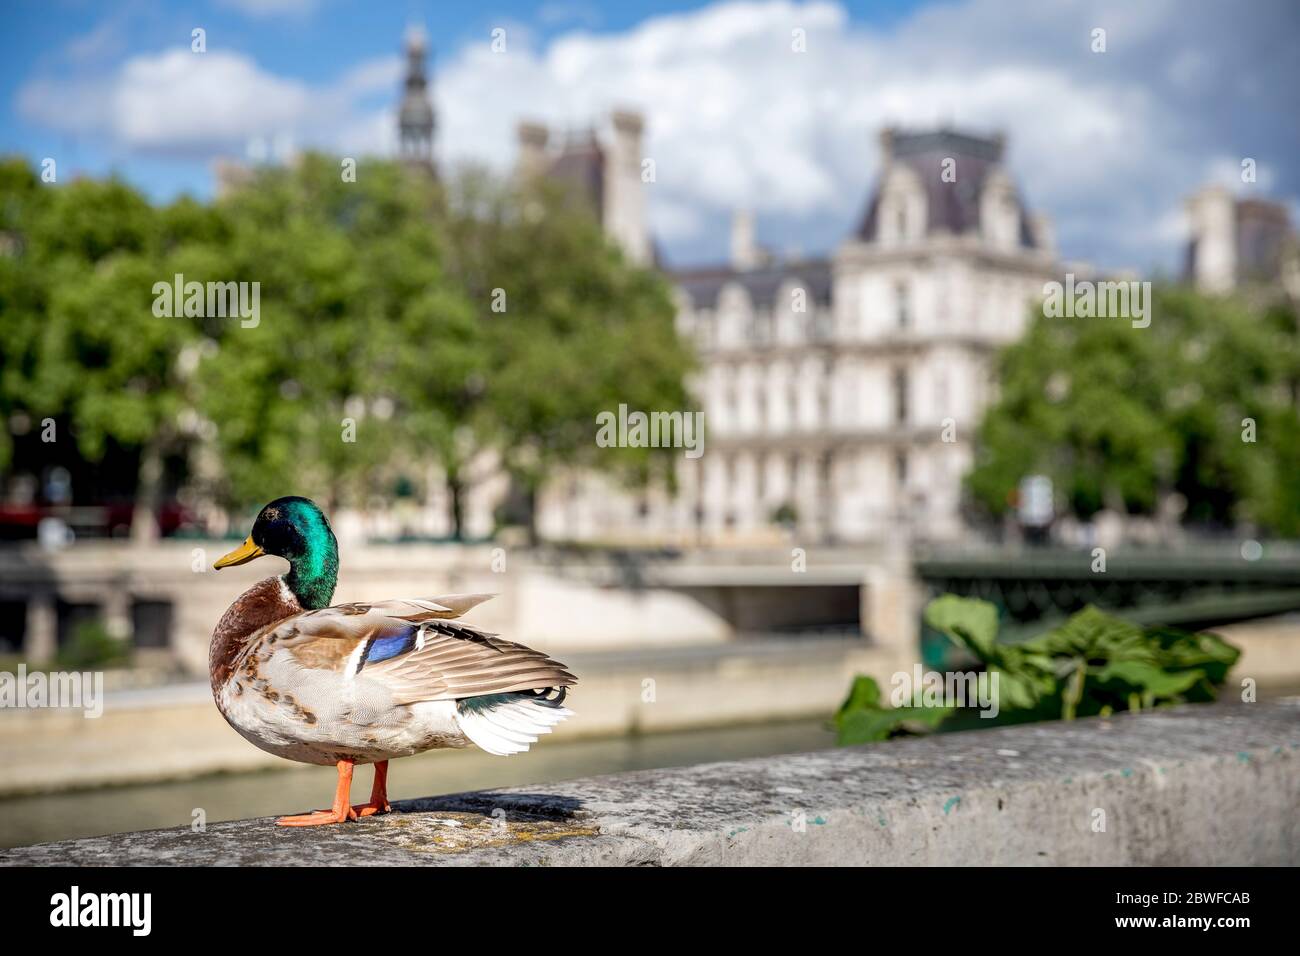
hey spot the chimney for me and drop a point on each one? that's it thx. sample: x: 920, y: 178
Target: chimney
x: 624, y: 214
x: 744, y: 247
x: 887, y: 146
x: 1044, y: 233
x: 999, y: 140
x: 1212, y: 213
x: 532, y: 138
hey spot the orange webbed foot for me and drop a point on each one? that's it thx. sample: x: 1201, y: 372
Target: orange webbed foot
x: 339, y: 813
x: 317, y: 818
x: 378, y: 793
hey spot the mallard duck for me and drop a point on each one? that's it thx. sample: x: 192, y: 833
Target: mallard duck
x: 365, y: 682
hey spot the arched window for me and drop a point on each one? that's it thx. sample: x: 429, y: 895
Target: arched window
x: 900, y: 396
x: 902, y: 305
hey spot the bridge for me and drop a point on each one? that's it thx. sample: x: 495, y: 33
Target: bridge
x: 880, y: 592
x: 615, y: 597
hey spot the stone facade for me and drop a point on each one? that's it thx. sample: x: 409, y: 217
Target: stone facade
x: 604, y: 173
x: 1236, y: 243
x: 841, y: 394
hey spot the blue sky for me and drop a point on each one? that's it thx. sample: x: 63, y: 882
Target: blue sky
x: 1106, y: 143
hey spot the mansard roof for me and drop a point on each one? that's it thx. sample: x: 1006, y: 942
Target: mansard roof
x: 762, y: 284
x: 952, y: 207
x: 580, y: 168
x: 1263, y: 228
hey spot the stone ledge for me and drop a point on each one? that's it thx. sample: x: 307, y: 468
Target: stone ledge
x: 1201, y: 785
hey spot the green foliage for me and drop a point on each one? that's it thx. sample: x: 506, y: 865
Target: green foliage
x: 1092, y: 664
x: 375, y: 301
x: 785, y: 514
x: 570, y: 329
x: 1120, y: 417
x: 78, y: 339
x: 862, y: 719
x: 92, y: 648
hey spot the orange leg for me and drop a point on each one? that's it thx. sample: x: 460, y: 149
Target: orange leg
x: 336, y: 814
x: 378, y: 793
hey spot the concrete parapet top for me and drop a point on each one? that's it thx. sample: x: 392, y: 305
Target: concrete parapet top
x: 1197, y: 785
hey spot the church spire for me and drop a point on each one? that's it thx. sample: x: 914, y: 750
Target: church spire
x: 415, y: 120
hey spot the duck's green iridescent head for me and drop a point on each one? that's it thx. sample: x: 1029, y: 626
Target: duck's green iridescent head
x: 295, y: 529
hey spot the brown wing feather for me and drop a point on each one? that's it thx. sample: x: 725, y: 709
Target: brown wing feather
x: 458, y: 660
x: 454, y: 660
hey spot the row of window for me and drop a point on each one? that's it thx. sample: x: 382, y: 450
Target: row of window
x: 900, y: 388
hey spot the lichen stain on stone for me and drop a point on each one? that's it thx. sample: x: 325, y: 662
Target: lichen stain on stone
x: 476, y: 831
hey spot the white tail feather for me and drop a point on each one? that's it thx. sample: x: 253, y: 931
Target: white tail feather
x: 509, y: 728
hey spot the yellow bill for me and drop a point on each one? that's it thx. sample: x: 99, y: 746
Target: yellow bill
x: 241, y: 555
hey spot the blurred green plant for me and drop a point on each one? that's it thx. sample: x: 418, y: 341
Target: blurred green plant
x: 785, y: 514
x: 1092, y: 664
x: 862, y: 718
x: 92, y: 647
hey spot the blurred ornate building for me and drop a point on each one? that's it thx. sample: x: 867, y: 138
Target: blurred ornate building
x: 602, y: 173
x: 415, y: 121
x: 1236, y: 243
x: 416, y: 125
x: 841, y: 393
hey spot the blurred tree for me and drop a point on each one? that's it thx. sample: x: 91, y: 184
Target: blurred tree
x: 393, y: 329
x: 24, y: 203
x: 81, y: 342
x: 1121, y: 417
x: 353, y: 368
x: 572, y: 329
x: 288, y: 391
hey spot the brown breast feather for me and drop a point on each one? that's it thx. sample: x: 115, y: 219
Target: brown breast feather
x: 263, y: 604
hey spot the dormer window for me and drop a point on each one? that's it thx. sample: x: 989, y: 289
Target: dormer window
x: 902, y: 208
x: 1000, y: 212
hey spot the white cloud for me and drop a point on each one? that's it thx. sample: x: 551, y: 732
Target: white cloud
x: 186, y: 99
x: 1108, y: 144
x: 1227, y: 171
x: 201, y: 104
x: 736, y: 117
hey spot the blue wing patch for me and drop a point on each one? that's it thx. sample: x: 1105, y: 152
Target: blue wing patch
x: 389, y: 646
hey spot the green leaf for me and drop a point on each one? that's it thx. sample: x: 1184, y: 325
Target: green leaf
x: 861, y: 718
x: 864, y: 694
x: 971, y: 622
x: 869, y: 725
x: 1148, y: 677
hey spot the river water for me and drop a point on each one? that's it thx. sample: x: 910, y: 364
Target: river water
x: 298, y: 788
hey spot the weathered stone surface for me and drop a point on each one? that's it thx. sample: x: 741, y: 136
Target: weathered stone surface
x: 1197, y: 785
